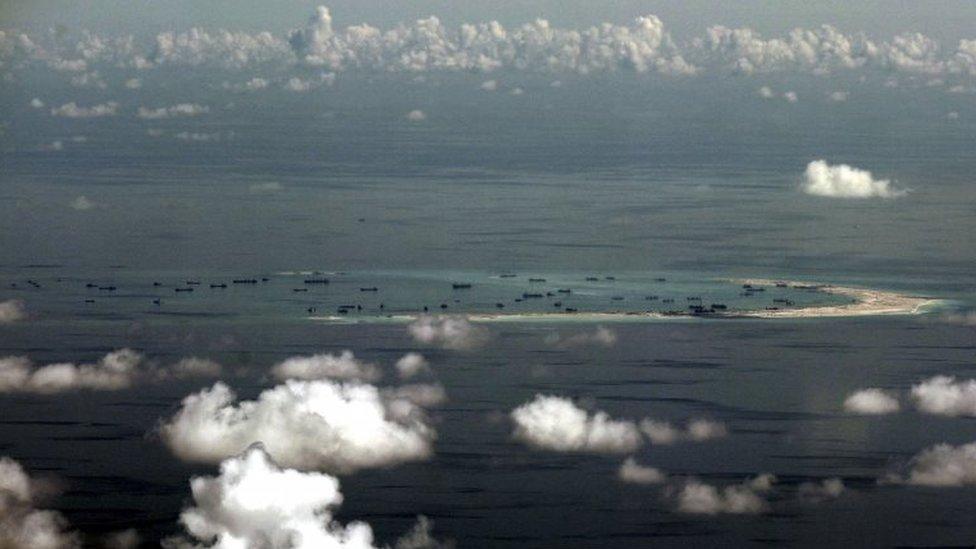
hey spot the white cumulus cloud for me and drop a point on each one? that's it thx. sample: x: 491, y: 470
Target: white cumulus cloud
x: 411, y: 364
x: 448, y: 332
x: 254, y: 502
x: 633, y: 472
x: 945, y: 396
x: 12, y: 310
x: 344, y: 366
x: 558, y: 424
x: 871, y: 402
x: 72, y: 110
x: 942, y: 465
x: 327, y: 425
x: 698, y: 430
x: 843, y: 181
x: 182, y: 109
x: 698, y: 498
x: 22, y: 525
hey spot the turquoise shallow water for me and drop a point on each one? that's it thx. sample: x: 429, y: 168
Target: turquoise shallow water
x: 127, y: 296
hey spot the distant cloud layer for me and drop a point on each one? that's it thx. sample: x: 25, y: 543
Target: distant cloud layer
x: 324, y: 424
x: 843, y: 181
x: 643, y: 46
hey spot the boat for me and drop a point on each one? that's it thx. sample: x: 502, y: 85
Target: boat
x: 245, y: 281
x: 369, y: 289
x: 316, y: 281
x: 537, y: 280
x: 461, y: 285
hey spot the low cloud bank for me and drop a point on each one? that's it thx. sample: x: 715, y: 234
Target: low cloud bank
x: 447, y: 332
x: 843, y: 181
x: 115, y: 371
x: 22, y: 525
x: 12, y: 310
x: 871, y: 402
x: 323, y: 424
x: 556, y: 423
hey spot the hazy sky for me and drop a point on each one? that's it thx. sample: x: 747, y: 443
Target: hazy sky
x: 943, y: 19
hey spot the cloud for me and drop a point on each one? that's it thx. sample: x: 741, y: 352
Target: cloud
x: 489, y: 85
x: 766, y: 93
x: 447, y: 332
x: 326, y: 366
x: 72, y: 110
x: 197, y: 136
x: 411, y: 364
x: 12, y: 310
x: 790, y: 96
x: 327, y: 425
x: 698, y: 498
x: 556, y: 423
x: 943, y: 395
x: 871, y: 402
x: 644, y: 46
x: 830, y: 488
x: 426, y: 395
x: 698, y: 430
x: 256, y: 83
x: 631, y: 471
x: 421, y: 537
x: 22, y: 525
x: 254, y: 502
x: 133, y: 83
x: 942, y: 465
x: 427, y: 45
x: 115, y: 371
x: 962, y: 319
x: 269, y: 187
x: 838, y: 96
x: 843, y: 181
x: 180, y: 110
x: 37, y: 103
x: 82, y: 203
x: 299, y: 85
x: 416, y: 115
x: 600, y: 336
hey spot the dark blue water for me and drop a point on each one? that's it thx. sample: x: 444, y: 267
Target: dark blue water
x: 637, y: 181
